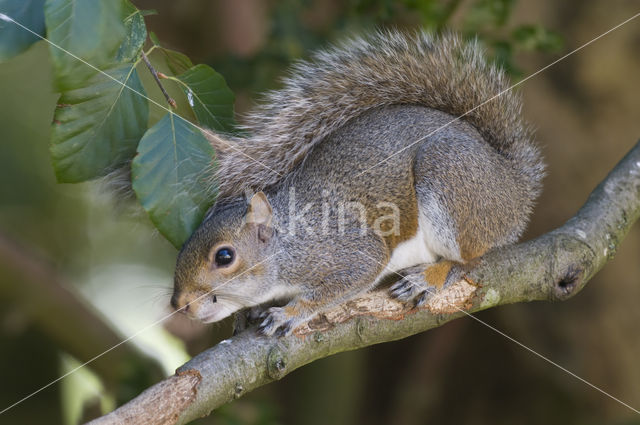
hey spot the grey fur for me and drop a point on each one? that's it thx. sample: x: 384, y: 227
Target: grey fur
x: 441, y: 72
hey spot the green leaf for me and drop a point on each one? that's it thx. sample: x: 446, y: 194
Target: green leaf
x: 209, y: 97
x: 536, y: 37
x: 149, y: 12
x: 176, y: 62
x: 13, y: 38
x: 89, y: 29
x: 167, y: 174
x: 170, y: 63
x: 136, y: 34
x: 97, y: 127
x: 161, y: 59
x: 503, y: 57
x: 488, y: 13
x: 154, y: 38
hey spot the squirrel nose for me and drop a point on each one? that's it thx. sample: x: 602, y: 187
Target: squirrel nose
x: 175, y: 303
x: 180, y: 303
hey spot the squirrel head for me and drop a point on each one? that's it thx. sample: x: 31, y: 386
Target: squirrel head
x: 222, y: 268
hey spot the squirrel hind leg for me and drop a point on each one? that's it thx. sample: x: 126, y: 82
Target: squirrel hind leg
x: 470, y: 197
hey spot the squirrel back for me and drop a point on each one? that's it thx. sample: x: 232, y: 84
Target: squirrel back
x: 387, y: 68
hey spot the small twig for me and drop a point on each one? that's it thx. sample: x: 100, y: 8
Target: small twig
x: 156, y: 76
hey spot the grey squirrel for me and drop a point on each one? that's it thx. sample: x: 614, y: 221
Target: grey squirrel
x: 360, y: 170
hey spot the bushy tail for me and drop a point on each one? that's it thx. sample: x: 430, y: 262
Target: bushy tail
x: 440, y: 72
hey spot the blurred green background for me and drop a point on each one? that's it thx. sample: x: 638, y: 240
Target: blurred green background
x: 80, y: 271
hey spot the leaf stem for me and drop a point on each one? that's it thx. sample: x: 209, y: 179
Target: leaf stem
x: 170, y: 100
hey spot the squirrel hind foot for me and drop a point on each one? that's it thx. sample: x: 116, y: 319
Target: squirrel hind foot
x: 419, y: 283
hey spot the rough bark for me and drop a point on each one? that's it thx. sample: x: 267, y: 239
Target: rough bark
x: 553, y: 267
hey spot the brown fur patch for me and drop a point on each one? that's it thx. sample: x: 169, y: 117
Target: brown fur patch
x: 403, y: 196
x: 408, y: 221
x: 436, y: 274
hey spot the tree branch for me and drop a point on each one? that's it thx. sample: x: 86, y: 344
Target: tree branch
x: 30, y: 282
x: 553, y: 267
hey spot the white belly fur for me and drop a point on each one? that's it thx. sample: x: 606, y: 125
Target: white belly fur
x: 409, y: 253
x: 427, y: 246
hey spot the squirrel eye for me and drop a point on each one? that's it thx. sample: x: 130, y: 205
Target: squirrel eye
x: 224, y: 256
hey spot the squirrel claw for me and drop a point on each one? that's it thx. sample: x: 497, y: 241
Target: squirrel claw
x: 247, y: 317
x: 406, y: 290
x: 422, y: 298
x: 276, y: 322
x: 412, y: 287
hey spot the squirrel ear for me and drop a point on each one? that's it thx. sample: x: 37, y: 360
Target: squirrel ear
x: 259, y: 211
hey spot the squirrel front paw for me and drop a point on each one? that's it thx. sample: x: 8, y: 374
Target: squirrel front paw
x: 247, y: 317
x: 277, y: 322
